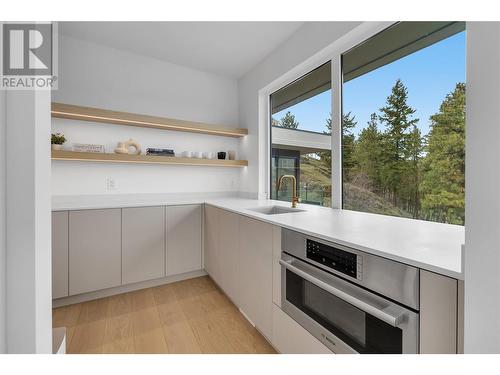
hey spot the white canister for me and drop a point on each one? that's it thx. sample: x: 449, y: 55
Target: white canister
x: 198, y: 154
x: 231, y: 155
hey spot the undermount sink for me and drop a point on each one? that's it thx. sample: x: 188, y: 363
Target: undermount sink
x: 274, y: 210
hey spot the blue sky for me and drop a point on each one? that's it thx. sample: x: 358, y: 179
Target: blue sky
x: 429, y: 75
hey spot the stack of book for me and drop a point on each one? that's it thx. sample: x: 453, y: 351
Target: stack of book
x: 85, y: 147
x: 159, y: 151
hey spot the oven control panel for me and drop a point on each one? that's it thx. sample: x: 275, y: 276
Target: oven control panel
x: 340, y: 260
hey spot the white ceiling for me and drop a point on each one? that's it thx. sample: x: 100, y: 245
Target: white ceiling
x: 226, y: 48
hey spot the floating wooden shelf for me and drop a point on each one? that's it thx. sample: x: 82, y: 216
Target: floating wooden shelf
x: 143, y: 159
x: 76, y: 112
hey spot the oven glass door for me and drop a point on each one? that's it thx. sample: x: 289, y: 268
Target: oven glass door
x: 360, y: 330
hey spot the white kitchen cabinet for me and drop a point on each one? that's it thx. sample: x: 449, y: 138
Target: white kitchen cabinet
x: 183, y: 239
x: 227, y: 256
x: 211, y: 229
x: 289, y: 337
x: 59, y: 254
x: 438, y: 313
x: 143, y: 243
x: 460, y: 316
x: 276, y: 265
x: 255, y: 272
x: 94, y: 250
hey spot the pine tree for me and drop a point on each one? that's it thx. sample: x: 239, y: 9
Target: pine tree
x: 414, y: 149
x: 443, y: 184
x: 397, y: 117
x: 288, y: 121
x: 348, y: 123
x: 348, y: 142
x: 348, y: 145
x: 369, y: 150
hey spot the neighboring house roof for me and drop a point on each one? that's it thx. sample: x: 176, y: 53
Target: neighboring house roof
x: 300, y: 140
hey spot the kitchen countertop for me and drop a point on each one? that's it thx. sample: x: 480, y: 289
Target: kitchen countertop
x: 88, y: 202
x: 431, y: 246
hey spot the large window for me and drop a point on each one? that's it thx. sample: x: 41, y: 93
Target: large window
x: 403, y: 130
x: 301, y: 137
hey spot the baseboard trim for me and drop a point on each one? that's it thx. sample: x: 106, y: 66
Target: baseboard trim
x: 268, y: 339
x: 247, y: 317
x: 125, y: 288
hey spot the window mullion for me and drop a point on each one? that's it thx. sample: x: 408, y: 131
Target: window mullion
x: 336, y: 132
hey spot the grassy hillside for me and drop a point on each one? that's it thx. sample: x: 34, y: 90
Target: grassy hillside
x: 359, y: 199
x: 316, y: 176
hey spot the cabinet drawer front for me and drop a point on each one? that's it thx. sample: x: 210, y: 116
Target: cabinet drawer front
x: 289, y: 337
x: 94, y: 250
x: 143, y: 243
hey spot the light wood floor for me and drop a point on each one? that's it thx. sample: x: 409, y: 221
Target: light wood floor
x: 191, y: 316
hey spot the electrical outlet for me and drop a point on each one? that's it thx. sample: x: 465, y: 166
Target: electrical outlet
x: 110, y: 184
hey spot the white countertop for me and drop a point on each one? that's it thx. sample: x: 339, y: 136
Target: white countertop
x: 88, y: 202
x: 432, y: 246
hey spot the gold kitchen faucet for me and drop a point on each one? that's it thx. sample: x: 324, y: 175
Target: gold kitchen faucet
x: 295, y: 199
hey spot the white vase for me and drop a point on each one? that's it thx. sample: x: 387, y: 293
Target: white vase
x: 124, y: 147
x: 56, y: 147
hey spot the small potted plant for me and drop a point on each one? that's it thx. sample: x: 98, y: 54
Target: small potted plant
x: 57, y: 140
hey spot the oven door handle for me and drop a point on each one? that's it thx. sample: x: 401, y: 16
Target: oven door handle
x: 393, y: 320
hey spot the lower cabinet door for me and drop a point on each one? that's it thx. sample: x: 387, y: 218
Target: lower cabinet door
x: 183, y: 239
x: 211, y: 238
x: 59, y: 254
x: 255, y: 272
x: 228, y: 255
x: 289, y: 337
x: 143, y: 243
x: 276, y: 266
x: 94, y: 250
x: 438, y: 313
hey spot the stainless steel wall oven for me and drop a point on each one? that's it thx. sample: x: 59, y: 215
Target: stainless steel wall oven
x: 352, y: 301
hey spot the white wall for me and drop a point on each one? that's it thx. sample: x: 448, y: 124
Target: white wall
x: 28, y: 224
x: 94, y: 75
x: 482, y: 203
x: 2, y: 224
x: 307, y: 41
